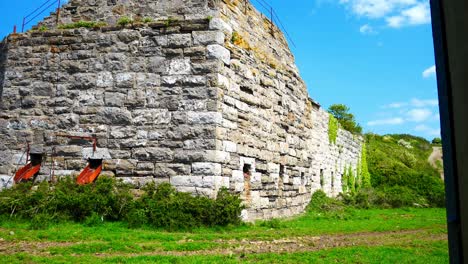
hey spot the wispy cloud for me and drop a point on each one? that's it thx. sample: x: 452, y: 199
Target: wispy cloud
x: 395, y: 13
x: 423, y: 103
x: 431, y: 71
x: 388, y: 121
x: 367, y: 30
x: 416, y: 15
x: 427, y: 130
x: 415, y: 102
x: 419, y: 115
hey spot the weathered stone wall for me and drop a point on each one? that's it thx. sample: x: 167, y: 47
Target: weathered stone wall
x: 270, y: 124
x: 200, y: 103
x: 110, y: 11
x: 146, y: 93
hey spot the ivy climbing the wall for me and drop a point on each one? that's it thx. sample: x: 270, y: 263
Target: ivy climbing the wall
x: 332, y: 129
x: 351, y: 180
x: 365, y: 175
x: 344, y: 180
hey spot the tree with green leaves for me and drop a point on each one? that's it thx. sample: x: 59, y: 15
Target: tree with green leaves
x: 345, y: 118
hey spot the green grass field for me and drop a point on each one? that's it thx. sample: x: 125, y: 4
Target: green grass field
x: 358, y: 236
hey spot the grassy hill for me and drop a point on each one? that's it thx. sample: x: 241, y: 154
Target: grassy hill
x: 399, y: 165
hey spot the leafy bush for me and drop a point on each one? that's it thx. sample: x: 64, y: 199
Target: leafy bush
x: 110, y: 200
x: 167, y: 208
x: 68, y: 201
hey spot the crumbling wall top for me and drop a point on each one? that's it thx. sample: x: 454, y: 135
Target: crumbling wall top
x: 109, y: 11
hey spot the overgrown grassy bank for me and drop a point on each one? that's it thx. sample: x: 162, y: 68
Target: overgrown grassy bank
x: 365, y: 236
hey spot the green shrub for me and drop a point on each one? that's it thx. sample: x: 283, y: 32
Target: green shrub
x: 66, y: 200
x: 136, y: 218
x: 147, y: 20
x: 167, y: 208
x: 94, y: 220
x: 111, y: 200
x: 40, y: 221
x: 124, y: 21
x: 398, y: 196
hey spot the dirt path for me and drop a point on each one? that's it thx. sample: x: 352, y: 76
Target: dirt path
x: 230, y: 247
x: 435, y: 156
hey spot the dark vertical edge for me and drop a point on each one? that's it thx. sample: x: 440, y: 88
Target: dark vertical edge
x: 3, y: 58
x: 447, y: 129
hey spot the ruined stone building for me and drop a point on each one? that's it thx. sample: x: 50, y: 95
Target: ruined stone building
x: 203, y: 94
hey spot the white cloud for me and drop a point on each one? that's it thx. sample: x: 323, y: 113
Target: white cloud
x: 419, y: 115
x: 427, y: 130
x: 367, y: 30
x: 396, y: 105
x: 396, y: 13
x: 431, y: 71
x: 417, y: 15
x: 389, y: 121
x: 423, y: 103
x: 415, y: 102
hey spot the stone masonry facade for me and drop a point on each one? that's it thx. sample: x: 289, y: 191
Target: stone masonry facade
x: 205, y: 96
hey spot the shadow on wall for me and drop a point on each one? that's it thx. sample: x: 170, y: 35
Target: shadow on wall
x: 3, y: 56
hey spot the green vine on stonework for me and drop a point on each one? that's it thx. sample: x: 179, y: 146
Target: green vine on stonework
x: 351, y: 180
x: 332, y: 129
x: 365, y: 175
x: 358, y: 176
x: 344, y: 180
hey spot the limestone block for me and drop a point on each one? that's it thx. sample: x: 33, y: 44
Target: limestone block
x: 216, y: 51
x: 273, y: 167
x: 206, y: 168
x: 224, y: 182
x: 237, y: 176
x: 70, y: 151
x: 124, y: 80
x: 217, y: 156
x: 179, y: 40
x: 114, y: 99
x: 239, y: 186
x: 127, y: 36
x: 41, y: 88
x: 218, y: 23
x: 179, y: 66
x: 99, y: 153
x: 229, y: 146
x: 114, y: 116
x: 183, y: 80
x: 152, y: 117
x: 122, y: 132
x: 204, y: 118
x: 160, y: 154
x: 256, y: 177
x: 171, y: 169
x: 104, y: 79
x: 208, y: 37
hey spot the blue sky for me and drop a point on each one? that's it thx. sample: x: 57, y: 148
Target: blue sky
x: 376, y: 56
